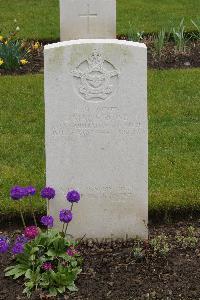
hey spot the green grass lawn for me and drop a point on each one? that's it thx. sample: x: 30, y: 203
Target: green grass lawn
x: 174, y: 144
x: 39, y: 19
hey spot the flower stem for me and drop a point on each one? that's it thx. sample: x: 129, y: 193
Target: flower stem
x: 47, y: 207
x: 33, y: 214
x: 63, y: 227
x: 22, y: 217
x: 68, y: 223
x: 66, y: 228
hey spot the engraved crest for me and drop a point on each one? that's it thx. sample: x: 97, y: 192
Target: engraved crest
x: 97, y: 78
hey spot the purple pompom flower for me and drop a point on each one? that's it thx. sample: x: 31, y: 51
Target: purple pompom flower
x: 65, y: 215
x: 73, y: 196
x: 47, y: 221
x: 4, y: 244
x: 47, y: 266
x: 18, y: 248
x: 47, y: 193
x: 22, y: 239
x: 31, y: 232
x: 71, y: 251
x: 30, y: 190
x: 17, y: 192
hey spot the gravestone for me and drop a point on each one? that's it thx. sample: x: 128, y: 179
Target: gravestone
x: 81, y: 19
x: 96, y: 135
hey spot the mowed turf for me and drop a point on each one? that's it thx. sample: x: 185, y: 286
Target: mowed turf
x: 174, y: 144
x: 39, y: 19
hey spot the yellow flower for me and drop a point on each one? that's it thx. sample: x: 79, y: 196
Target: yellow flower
x: 1, y: 61
x: 36, y: 45
x: 1, y: 38
x: 6, y: 42
x: 23, y: 61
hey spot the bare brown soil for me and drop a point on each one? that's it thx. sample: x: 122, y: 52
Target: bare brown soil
x: 169, y: 58
x: 111, y: 272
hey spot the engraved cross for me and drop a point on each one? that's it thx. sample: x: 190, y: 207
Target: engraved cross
x: 88, y: 15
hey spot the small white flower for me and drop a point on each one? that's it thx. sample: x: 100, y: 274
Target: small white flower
x: 15, y: 20
x: 17, y: 28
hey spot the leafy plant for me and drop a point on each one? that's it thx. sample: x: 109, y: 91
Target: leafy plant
x: 159, y: 41
x: 133, y: 35
x: 196, y: 35
x: 14, y: 53
x: 189, y: 241
x: 45, y: 263
x: 179, y: 37
x: 47, y: 259
x: 138, y: 252
x: 160, y: 245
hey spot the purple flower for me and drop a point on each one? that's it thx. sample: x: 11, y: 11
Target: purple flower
x: 71, y: 251
x: 18, y: 248
x: 30, y: 190
x: 65, y: 215
x: 17, y: 193
x: 47, y: 266
x: 73, y: 196
x: 22, y: 239
x: 47, y: 221
x: 47, y: 193
x: 31, y: 232
x: 4, y: 244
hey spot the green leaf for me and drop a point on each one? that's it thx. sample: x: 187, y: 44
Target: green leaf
x: 72, y: 287
x: 53, y: 291
x: 61, y: 289
x: 34, y: 249
x: 9, y: 268
x: 32, y: 257
x: 17, y: 271
x: 28, y: 274
x: 27, y: 292
x: 29, y: 284
x: 65, y: 256
x: 74, y: 263
x: 51, y: 252
x: 53, y: 275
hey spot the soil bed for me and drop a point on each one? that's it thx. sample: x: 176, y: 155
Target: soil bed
x: 111, y: 272
x: 169, y: 58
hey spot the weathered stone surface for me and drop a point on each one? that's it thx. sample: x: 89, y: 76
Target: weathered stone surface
x: 96, y: 135
x: 82, y: 19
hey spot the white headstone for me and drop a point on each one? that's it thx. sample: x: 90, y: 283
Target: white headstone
x: 82, y: 19
x: 96, y: 135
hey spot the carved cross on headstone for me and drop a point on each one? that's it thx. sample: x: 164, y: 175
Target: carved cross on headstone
x: 87, y: 19
x: 88, y: 15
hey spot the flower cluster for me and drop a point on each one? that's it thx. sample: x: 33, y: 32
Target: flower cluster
x: 4, y: 244
x: 14, y: 53
x: 47, y: 221
x: 18, y: 192
x: 19, y: 244
x: 44, y: 252
x: 71, y: 251
x: 31, y: 232
x: 65, y: 215
x: 47, y: 266
x: 48, y: 193
x: 73, y: 196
